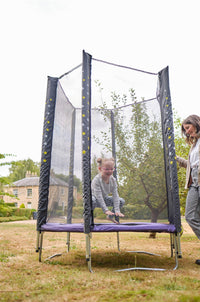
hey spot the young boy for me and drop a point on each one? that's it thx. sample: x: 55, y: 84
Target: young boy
x: 104, y: 184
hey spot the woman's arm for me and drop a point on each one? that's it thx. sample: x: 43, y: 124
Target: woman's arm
x: 182, y: 161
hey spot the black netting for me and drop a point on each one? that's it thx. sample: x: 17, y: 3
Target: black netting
x: 140, y: 168
x: 104, y: 110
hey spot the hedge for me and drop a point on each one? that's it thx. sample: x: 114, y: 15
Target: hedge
x: 134, y: 212
x: 12, y: 218
x: 9, y: 211
x: 23, y: 212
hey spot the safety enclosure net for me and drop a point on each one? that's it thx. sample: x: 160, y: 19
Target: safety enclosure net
x: 100, y: 109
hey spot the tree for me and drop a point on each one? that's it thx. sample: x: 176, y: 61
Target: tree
x: 4, y: 180
x: 4, y: 209
x: 76, y: 180
x: 94, y: 167
x: 140, y: 156
x: 19, y: 168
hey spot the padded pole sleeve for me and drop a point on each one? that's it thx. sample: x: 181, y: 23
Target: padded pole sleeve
x: 164, y: 99
x: 46, y: 151
x: 86, y: 141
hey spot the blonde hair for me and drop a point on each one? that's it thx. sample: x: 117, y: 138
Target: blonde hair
x: 102, y: 161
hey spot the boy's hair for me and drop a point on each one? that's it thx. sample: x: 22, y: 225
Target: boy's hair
x: 103, y: 160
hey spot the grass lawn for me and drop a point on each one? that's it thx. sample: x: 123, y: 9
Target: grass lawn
x: 66, y: 278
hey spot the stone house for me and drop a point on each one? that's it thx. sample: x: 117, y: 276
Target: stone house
x: 27, y: 191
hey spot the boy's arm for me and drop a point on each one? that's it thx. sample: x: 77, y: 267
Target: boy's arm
x: 115, y: 196
x: 97, y: 191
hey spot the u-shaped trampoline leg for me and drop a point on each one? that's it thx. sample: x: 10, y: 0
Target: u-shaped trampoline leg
x: 88, y: 251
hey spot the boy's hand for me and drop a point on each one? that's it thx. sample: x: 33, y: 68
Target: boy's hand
x: 109, y: 213
x: 119, y: 214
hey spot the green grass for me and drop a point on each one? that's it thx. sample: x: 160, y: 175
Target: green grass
x: 66, y: 278
x: 4, y: 256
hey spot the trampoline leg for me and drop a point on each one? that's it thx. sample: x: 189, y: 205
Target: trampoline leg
x: 40, y: 246
x: 37, y: 242
x: 178, y: 242
x: 68, y: 241
x: 171, y: 243
x: 176, y: 251
x: 88, y: 251
x: 118, y: 243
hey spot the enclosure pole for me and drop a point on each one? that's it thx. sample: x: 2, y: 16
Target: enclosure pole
x: 46, y: 151
x: 86, y: 141
x: 113, y: 141
x: 164, y: 99
x: 71, y: 170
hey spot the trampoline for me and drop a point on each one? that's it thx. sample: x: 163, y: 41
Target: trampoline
x: 103, y: 109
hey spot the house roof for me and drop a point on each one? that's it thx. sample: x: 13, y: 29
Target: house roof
x: 34, y: 181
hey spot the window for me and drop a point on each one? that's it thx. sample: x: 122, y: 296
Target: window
x: 15, y: 192
x: 29, y: 205
x: 29, y: 192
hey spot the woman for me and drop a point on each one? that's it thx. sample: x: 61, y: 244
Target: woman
x: 190, y: 129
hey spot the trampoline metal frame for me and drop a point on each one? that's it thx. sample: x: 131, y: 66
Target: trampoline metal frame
x: 174, y: 245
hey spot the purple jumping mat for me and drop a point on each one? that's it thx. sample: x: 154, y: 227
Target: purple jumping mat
x: 110, y: 227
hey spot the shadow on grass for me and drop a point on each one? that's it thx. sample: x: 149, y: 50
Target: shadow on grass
x: 113, y: 260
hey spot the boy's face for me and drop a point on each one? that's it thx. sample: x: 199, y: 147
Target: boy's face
x: 107, y: 168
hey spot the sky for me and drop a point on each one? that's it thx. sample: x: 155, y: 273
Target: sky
x: 41, y: 38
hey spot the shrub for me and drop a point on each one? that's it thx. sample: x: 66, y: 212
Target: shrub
x: 5, y: 210
x: 136, y: 212
x: 10, y: 204
x: 8, y: 210
x: 77, y: 212
x: 99, y: 214
x: 22, y: 212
